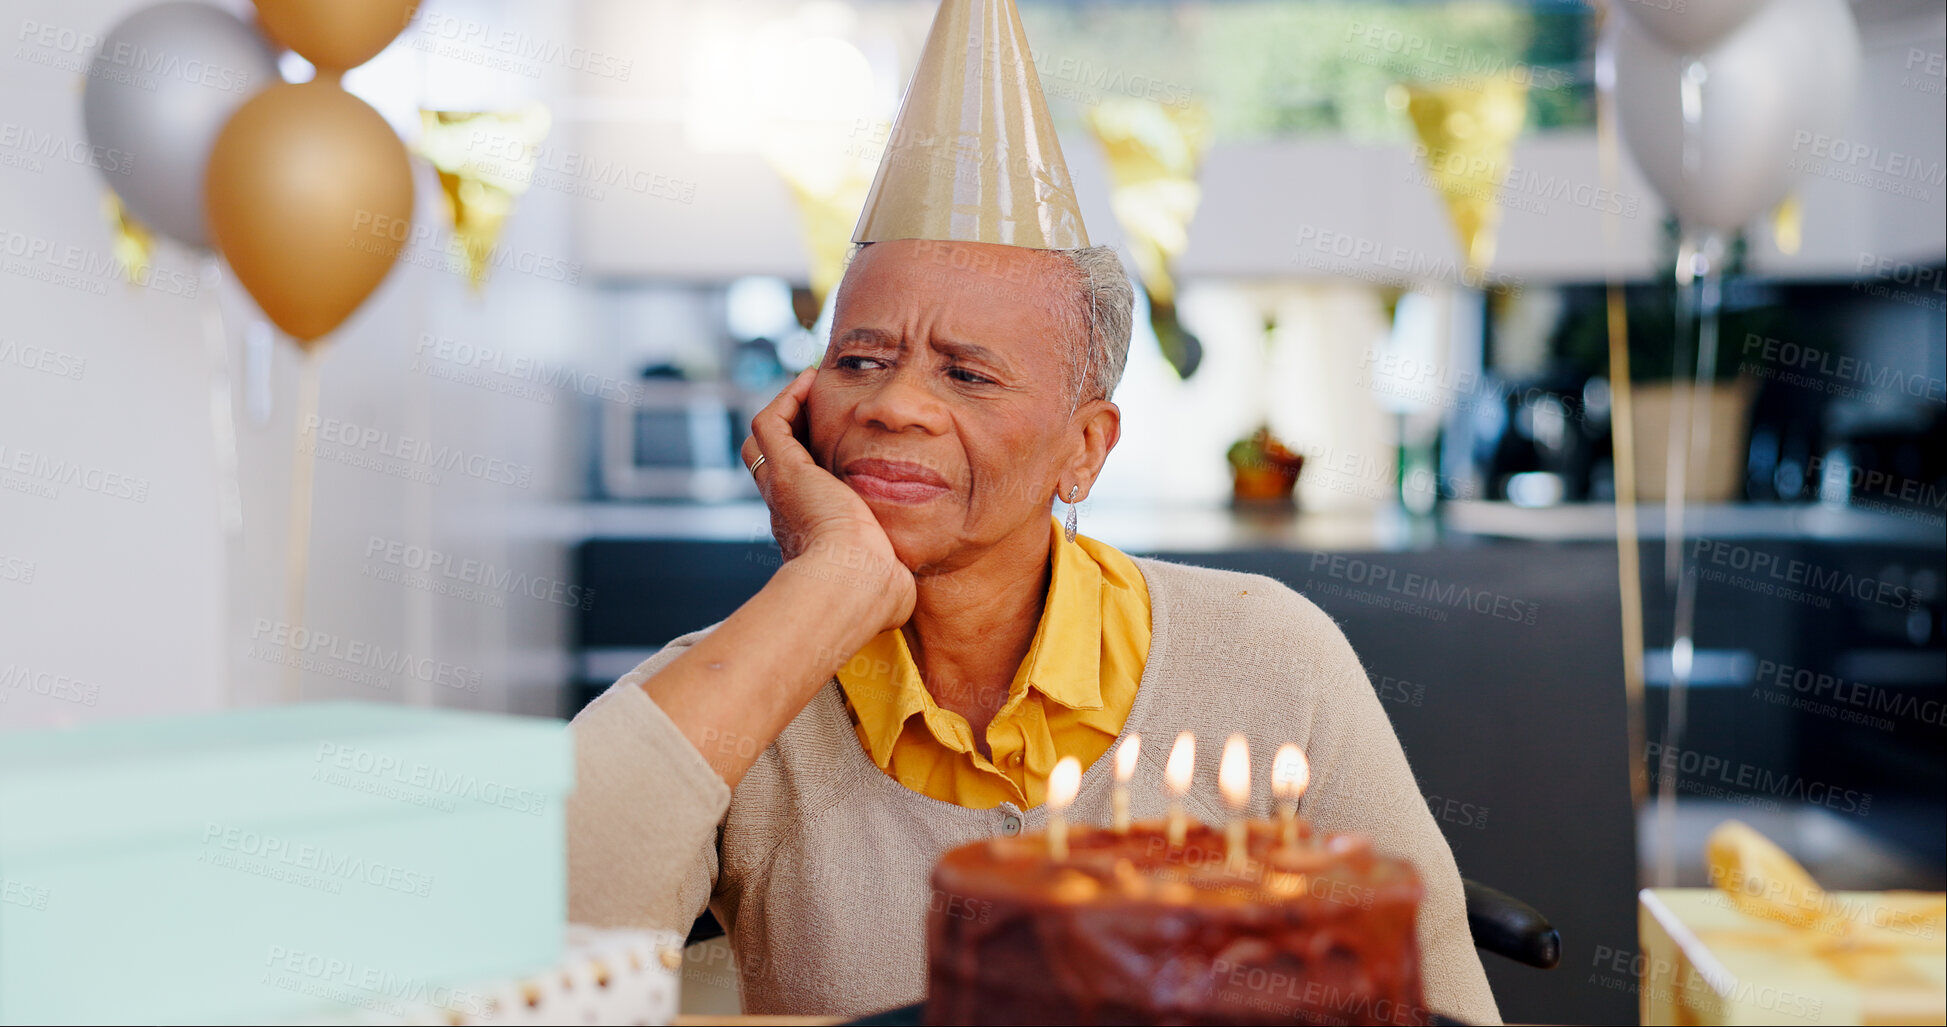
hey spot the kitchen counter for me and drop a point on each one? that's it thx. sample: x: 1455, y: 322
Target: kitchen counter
x: 1161, y: 528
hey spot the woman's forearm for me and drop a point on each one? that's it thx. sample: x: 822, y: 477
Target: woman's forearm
x: 735, y: 690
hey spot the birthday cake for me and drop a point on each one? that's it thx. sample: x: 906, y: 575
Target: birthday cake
x: 1131, y: 929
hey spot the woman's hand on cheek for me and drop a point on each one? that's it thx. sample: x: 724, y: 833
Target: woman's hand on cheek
x: 822, y: 526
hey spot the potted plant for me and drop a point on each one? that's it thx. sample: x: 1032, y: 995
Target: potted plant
x: 1263, y: 471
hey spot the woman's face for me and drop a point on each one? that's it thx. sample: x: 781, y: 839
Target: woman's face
x: 943, y: 401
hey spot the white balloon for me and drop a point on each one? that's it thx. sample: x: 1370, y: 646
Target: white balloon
x: 161, y: 86
x: 1689, y: 26
x: 1784, y: 77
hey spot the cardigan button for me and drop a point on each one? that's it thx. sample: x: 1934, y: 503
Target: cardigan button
x: 1010, y: 824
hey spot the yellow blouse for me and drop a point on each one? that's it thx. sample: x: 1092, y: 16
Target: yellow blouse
x: 1069, y: 697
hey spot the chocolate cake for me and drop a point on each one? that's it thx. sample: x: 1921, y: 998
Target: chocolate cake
x: 1130, y: 930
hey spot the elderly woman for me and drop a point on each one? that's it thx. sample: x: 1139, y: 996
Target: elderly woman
x: 934, y: 642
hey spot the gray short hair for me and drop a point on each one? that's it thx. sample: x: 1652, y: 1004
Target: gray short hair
x: 1099, y: 320
x: 1108, y: 301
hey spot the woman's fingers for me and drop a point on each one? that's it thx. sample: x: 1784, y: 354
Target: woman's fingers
x: 779, y: 461
x: 751, y: 455
x: 762, y: 445
x: 772, y: 427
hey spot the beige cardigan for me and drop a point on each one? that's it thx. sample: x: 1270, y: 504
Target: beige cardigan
x: 818, y: 866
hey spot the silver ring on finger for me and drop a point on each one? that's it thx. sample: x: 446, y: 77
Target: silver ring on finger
x: 759, y: 462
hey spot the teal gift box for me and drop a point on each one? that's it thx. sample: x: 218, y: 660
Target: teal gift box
x: 278, y: 863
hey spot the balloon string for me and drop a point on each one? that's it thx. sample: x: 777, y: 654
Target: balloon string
x: 223, y: 425
x: 1676, y: 468
x: 297, y: 557
x: 1676, y: 479
x: 1699, y: 271
x: 419, y: 501
x: 1622, y: 429
x: 1710, y: 300
x: 1675, y: 476
x: 223, y: 439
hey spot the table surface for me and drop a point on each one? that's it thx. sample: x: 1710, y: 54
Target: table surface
x: 695, y: 1021
x: 691, y: 1020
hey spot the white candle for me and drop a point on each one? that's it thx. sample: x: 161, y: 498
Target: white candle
x: 1234, y: 781
x: 1177, y: 775
x: 1290, y: 773
x: 1062, y: 786
x: 1125, y: 771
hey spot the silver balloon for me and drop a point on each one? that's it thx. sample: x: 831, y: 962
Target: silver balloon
x: 160, y: 88
x: 1689, y: 26
x: 1717, y: 135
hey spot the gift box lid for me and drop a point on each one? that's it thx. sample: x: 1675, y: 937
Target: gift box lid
x: 140, y: 779
x: 1877, y: 960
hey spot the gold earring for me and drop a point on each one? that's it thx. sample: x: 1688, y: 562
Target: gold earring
x: 1068, y: 528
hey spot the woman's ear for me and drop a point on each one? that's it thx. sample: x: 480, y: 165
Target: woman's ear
x: 1101, y: 424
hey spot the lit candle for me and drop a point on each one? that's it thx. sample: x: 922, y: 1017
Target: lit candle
x: 1125, y: 771
x: 1177, y: 775
x: 1290, y: 773
x: 1234, y: 781
x: 1062, y: 786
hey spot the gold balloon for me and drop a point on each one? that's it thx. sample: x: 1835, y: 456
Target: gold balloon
x: 310, y: 200
x: 335, y: 34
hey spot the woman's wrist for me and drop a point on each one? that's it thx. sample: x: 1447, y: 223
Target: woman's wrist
x: 737, y: 688
x: 852, y: 583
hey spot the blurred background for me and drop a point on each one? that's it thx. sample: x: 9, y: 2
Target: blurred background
x: 1390, y: 252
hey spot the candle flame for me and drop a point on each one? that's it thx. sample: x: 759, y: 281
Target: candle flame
x: 1291, y: 772
x: 1182, y: 766
x: 1125, y: 758
x: 1064, y: 782
x: 1234, y: 773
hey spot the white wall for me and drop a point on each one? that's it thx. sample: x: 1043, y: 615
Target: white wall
x: 123, y: 596
x: 149, y: 604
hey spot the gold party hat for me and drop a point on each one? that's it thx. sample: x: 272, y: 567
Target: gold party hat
x: 972, y: 155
